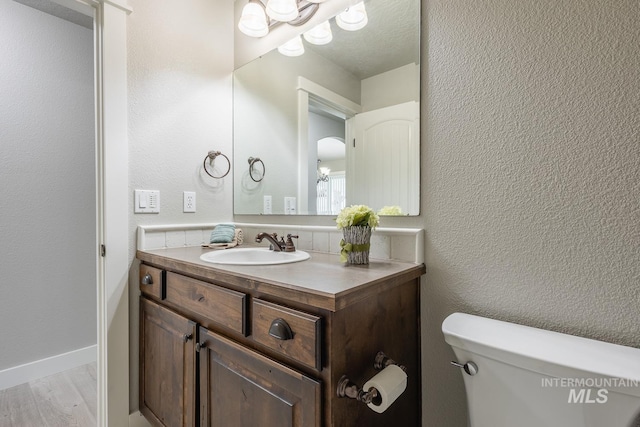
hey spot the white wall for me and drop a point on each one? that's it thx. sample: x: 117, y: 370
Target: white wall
x: 531, y: 174
x: 180, y: 62
x: 393, y: 87
x: 180, y: 65
x: 47, y: 196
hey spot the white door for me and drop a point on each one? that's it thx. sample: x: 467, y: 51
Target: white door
x: 383, y: 157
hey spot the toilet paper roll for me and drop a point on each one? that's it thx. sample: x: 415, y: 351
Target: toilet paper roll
x: 390, y: 383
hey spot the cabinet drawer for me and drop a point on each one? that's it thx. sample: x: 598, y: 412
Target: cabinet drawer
x: 269, y: 327
x: 219, y: 305
x: 152, y: 281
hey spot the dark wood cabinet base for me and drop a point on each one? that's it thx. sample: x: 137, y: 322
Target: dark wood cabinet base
x: 272, y: 361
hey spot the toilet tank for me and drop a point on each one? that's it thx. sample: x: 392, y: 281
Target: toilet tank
x: 530, y: 377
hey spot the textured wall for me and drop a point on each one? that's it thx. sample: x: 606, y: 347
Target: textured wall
x: 180, y: 63
x: 530, y: 160
x: 47, y: 190
x: 531, y: 173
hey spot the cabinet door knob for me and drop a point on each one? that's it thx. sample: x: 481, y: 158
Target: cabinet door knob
x: 201, y: 345
x: 281, y: 330
x: 186, y: 337
x: 147, y: 279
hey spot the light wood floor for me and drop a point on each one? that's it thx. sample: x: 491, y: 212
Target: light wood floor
x: 61, y: 400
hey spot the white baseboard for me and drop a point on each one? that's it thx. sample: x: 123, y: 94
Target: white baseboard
x: 51, y: 365
x: 137, y: 420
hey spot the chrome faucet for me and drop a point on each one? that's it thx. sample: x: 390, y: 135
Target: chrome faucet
x: 278, y: 246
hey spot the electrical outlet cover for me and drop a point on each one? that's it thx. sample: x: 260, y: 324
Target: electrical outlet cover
x: 189, y: 201
x: 267, y: 209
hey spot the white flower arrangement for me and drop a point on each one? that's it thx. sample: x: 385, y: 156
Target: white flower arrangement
x: 357, y: 215
x: 390, y: 211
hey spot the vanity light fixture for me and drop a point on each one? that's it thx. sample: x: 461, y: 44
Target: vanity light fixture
x: 354, y: 18
x: 282, y: 10
x: 320, y: 34
x: 293, y: 47
x: 253, y: 21
x: 260, y: 15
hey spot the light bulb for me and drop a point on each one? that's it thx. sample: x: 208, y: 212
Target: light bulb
x: 320, y: 34
x: 354, y: 18
x: 253, y: 21
x: 293, y: 47
x: 282, y: 10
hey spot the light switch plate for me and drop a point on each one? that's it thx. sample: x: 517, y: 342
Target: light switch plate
x: 146, y: 201
x: 290, y: 206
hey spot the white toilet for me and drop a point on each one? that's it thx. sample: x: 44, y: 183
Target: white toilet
x: 518, y: 376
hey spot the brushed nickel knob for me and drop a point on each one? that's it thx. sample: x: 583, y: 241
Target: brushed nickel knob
x: 147, y: 279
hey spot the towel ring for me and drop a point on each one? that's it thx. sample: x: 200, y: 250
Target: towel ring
x: 252, y: 161
x: 212, y: 156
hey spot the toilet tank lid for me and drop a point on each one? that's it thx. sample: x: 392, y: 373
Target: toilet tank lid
x: 491, y: 337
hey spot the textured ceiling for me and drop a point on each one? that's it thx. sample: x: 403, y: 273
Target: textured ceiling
x: 390, y: 40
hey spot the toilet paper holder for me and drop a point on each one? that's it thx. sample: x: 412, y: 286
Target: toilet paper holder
x: 347, y: 388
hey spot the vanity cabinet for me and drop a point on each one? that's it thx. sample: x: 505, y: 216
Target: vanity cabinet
x: 239, y: 346
x: 167, y: 366
x: 239, y: 387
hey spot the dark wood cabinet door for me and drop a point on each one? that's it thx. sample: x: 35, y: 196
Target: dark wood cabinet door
x: 241, y: 388
x: 167, y: 366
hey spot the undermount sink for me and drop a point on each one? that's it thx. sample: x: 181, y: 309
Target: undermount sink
x: 253, y: 256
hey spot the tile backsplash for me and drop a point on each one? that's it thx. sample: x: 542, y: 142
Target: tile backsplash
x: 403, y: 244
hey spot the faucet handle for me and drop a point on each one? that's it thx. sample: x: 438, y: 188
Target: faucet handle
x: 289, y: 246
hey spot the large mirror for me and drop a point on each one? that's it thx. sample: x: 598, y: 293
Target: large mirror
x: 335, y: 126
